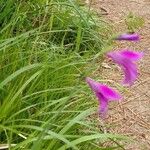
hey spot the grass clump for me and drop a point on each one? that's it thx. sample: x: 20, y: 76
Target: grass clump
x: 134, y: 22
x: 45, y: 47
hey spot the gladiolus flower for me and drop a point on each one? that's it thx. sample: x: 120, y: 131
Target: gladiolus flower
x: 128, y: 37
x: 126, y: 59
x: 104, y: 95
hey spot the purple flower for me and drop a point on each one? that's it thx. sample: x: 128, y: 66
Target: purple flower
x: 126, y: 59
x: 104, y: 95
x: 128, y: 37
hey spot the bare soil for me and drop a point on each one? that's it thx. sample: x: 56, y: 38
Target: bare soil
x: 131, y: 116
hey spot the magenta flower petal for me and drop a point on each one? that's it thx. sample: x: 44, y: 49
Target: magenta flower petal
x: 128, y: 37
x: 130, y: 74
x: 93, y: 84
x: 103, y: 105
x: 126, y: 59
x: 134, y: 56
x: 103, y: 109
x: 109, y: 93
x: 104, y: 95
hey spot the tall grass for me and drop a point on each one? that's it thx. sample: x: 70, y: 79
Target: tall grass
x: 45, y: 48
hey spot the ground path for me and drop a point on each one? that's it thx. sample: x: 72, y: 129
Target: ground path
x: 132, y: 115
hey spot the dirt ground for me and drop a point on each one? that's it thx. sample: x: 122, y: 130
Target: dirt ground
x: 131, y: 116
